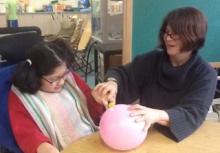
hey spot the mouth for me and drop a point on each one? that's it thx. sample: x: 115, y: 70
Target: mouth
x: 170, y: 45
x: 57, y: 88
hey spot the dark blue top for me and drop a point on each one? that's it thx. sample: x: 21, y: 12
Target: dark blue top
x: 184, y: 92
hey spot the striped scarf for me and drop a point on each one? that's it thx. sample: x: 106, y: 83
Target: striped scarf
x: 40, y: 113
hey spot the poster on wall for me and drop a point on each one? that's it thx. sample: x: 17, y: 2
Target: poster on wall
x: 115, y: 7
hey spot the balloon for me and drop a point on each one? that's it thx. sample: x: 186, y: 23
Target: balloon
x: 120, y: 131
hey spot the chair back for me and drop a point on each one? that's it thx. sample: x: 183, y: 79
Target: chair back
x: 85, y: 37
x: 7, y: 139
x: 8, y: 30
x: 14, y: 42
x: 75, y: 39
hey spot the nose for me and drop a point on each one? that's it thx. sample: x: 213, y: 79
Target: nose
x: 62, y: 81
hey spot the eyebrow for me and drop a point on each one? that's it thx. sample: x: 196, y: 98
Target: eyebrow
x: 168, y: 30
x: 57, y: 77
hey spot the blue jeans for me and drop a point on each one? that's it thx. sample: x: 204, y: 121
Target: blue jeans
x: 12, y: 23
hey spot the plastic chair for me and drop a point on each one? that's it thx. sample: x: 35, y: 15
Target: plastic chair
x: 81, y: 44
x: 67, y: 27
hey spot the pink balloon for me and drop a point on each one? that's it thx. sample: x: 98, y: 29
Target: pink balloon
x: 119, y: 131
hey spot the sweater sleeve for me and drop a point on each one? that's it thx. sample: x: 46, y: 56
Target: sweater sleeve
x: 132, y: 77
x: 27, y: 134
x: 186, y: 117
x: 95, y: 109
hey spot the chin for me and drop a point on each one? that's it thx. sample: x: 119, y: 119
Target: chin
x: 54, y: 90
x: 57, y: 90
x: 172, y: 52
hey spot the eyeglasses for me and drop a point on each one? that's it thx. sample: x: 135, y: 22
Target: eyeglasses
x: 171, y: 35
x: 58, y: 79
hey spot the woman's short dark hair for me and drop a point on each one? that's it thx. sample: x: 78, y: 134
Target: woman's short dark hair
x: 43, y: 58
x: 189, y: 23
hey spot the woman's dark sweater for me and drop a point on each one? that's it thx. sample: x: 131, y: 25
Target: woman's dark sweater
x: 184, y: 92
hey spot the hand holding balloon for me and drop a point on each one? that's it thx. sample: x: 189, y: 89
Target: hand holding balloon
x: 148, y: 115
x: 119, y: 131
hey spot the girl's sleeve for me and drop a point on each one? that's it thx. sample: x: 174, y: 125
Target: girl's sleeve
x: 27, y: 134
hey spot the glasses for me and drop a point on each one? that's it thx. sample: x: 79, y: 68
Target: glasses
x: 58, y: 79
x: 171, y: 35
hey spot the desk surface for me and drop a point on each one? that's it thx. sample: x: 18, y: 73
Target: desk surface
x: 215, y: 64
x: 205, y: 140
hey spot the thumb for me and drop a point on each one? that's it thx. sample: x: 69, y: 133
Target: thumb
x: 105, y: 103
x: 147, y: 126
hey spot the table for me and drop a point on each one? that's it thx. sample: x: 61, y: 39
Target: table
x: 215, y: 64
x: 205, y: 140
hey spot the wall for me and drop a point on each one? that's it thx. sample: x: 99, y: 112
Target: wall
x: 49, y: 23
x: 148, y: 15
x: 39, y: 3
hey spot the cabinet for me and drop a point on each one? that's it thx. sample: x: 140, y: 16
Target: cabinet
x: 107, y: 20
x: 105, y: 59
x: 107, y: 24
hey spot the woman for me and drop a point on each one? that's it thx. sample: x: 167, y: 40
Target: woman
x: 174, y: 84
x: 49, y: 104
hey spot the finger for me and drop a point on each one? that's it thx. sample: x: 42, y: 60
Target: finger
x: 98, y: 98
x: 109, y: 87
x: 97, y: 86
x: 137, y: 113
x: 100, y: 88
x: 136, y: 107
x: 105, y: 103
x: 140, y: 118
x: 95, y: 96
x: 113, y: 93
x: 147, y: 126
x: 111, y: 96
x: 103, y: 96
x: 106, y: 90
x: 112, y: 99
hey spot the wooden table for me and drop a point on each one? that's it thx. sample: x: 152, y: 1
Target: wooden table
x: 205, y: 140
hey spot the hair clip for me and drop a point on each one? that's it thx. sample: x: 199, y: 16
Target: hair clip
x: 29, y: 62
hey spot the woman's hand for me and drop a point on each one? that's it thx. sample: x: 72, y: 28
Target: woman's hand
x: 148, y: 115
x: 105, y: 92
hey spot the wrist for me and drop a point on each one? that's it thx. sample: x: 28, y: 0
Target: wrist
x: 163, y: 118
